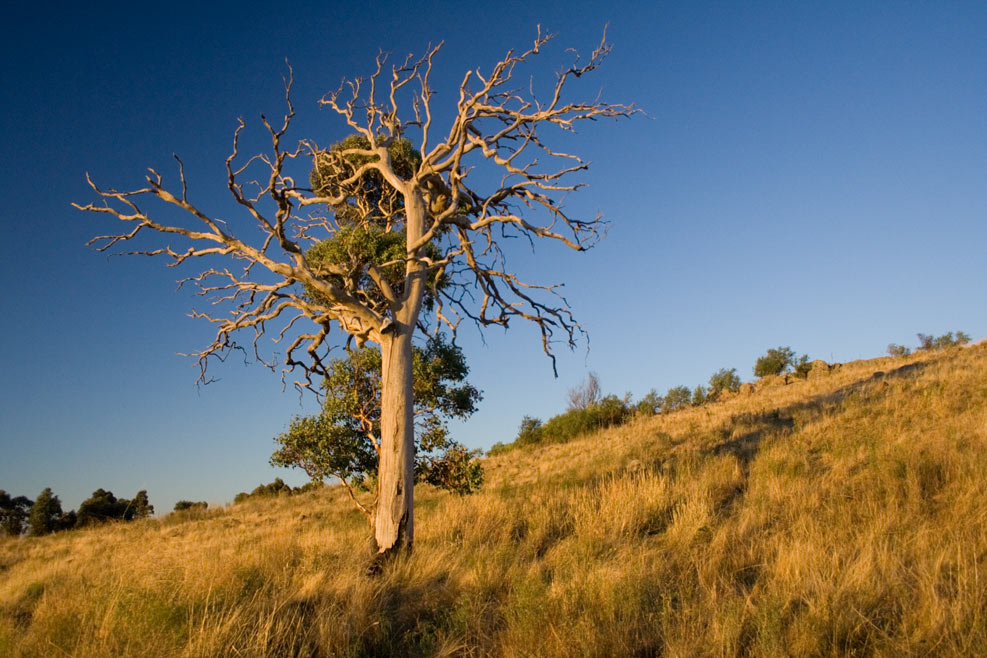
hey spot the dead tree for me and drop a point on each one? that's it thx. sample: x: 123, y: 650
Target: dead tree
x: 389, y: 237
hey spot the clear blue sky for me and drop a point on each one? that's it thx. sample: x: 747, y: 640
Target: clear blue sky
x: 810, y: 174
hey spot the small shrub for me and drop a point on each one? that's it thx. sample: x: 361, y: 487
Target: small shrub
x: 782, y: 359
x: 896, y: 350
x: 529, y: 432
x: 801, y: 367
x: 568, y: 425
x: 774, y: 362
x: 677, y: 397
x: 699, y: 395
x: 724, y: 380
x: 103, y: 506
x: 929, y: 343
x: 188, y: 505
x: 650, y: 404
x: 458, y: 470
x: 611, y: 411
x: 499, y: 448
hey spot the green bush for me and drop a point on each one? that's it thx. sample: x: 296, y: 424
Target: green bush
x: 699, y: 395
x: 782, y: 359
x: 650, y: 404
x: 606, y: 412
x: 529, y: 432
x: 724, y: 380
x: 457, y: 470
x: 499, y: 448
x: 677, y: 397
x: 947, y: 340
x: 802, y: 367
x: 569, y: 425
x: 14, y: 512
x: 103, y: 506
x: 774, y: 362
x: 190, y: 506
x: 46, y: 513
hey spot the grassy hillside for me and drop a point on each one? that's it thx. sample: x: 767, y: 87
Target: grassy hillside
x: 843, y: 515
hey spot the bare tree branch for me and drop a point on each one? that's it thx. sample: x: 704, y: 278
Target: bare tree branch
x: 373, y: 182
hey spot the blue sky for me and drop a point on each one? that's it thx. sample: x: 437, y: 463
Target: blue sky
x: 809, y: 174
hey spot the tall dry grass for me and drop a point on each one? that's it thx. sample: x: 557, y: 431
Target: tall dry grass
x: 842, y: 516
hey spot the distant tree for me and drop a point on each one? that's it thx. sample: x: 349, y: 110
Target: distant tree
x: 699, y: 395
x: 802, y: 366
x: 774, y: 362
x: 947, y: 340
x: 611, y: 410
x: 276, y: 488
x: 189, y: 505
x: 142, y: 506
x: 898, y: 350
x: 14, y: 512
x: 650, y: 404
x: 103, y: 506
x: 724, y: 380
x: 585, y: 394
x: 677, y: 397
x: 529, y: 432
x: 343, y: 441
x: 46, y: 514
x: 68, y: 521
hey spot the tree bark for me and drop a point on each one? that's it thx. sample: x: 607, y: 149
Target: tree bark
x: 394, y: 521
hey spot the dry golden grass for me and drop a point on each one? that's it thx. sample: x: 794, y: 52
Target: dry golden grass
x: 841, y: 516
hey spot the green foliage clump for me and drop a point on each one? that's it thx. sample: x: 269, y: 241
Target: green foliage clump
x: 782, y: 359
x: 191, y: 506
x: 276, y: 488
x: 677, y: 397
x: 142, y: 505
x: 102, y: 507
x: 928, y: 343
x: 529, y: 432
x: 368, y: 196
x: 346, y: 258
x: 699, y: 395
x: 724, y: 380
x: 367, y: 253
x: 46, y: 514
x: 801, y: 367
x: 608, y: 411
x: 340, y: 441
x: 14, y: 513
x: 650, y: 404
x: 457, y: 470
x: 774, y: 362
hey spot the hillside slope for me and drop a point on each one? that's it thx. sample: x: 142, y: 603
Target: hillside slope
x: 845, y: 515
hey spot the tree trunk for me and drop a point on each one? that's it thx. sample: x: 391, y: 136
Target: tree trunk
x: 394, y: 519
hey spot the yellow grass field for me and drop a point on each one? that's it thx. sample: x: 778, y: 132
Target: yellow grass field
x: 845, y: 515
